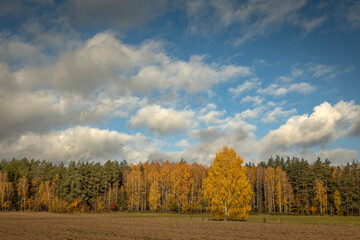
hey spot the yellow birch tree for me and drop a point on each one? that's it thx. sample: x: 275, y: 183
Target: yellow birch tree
x: 227, y: 188
x: 23, y: 191
x: 321, y: 195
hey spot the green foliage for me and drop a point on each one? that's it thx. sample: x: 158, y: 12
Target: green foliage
x: 178, y: 187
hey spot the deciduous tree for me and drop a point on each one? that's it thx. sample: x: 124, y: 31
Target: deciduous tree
x: 227, y: 188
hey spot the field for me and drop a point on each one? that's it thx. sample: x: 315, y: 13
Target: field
x: 27, y: 225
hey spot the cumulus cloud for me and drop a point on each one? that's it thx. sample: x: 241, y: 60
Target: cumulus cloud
x: 193, y: 76
x: 251, y: 113
x: 39, y: 111
x: 79, y: 144
x: 212, y: 139
x: 256, y: 99
x: 325, y: 124
x: 246, y: 86
x: 355, y: 128
x: 339, y: 156
x: 277, y: 90
x: 95, y: 81
x: 43, y: 110
x: 162, y: 121
x: 210, y: 115
x: 231, y: 131
x: 276, y: 114
x: 104, y: 62
x: 164, y: 156
x: 182, y: 143
x: 19, y: 53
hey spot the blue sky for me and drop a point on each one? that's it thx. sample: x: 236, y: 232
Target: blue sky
x: 146, y: 80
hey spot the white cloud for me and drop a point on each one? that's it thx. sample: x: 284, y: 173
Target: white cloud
x: 310, y: 24
x: 232, y: 131
x: 338, y: 156
x: 256, y: 99
x: 103, y: 62
x: 295, y: 73
x: 79, y: 144
x: 251, y: 18
x: 353, y: 15
x: 322, y: 71
x: 95, y: 81
x: 17, y: 52
x: 251, y: 113
x: 237, y: 122
x: 164, y: 156
x: 246, y: 86
x: 43, y: 110
x: 354, y: 129
x: 182, y: 143
x: 212, y: 139
x: 193, y: 76
x: 277, y: 90
x: 162, y: 121
x: 325, y: 124
x: 22, y: 112
x: 209, y: 115
x: 277, y: 114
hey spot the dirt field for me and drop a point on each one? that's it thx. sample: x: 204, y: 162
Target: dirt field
x: 18, y: 225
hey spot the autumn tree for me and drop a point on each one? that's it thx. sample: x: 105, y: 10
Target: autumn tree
x: 133, y: 183
x: 321, y: 195
x: 155, y: 190
x: 270, y: 189
x: 6, y: 191
x: 227, y: 188
x: 165, y: 184
x: 260, y: 179
x: 23, y: 191
x: 337, y: 202
x: 180, y: 182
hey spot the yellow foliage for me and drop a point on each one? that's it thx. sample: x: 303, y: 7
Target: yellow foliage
x: 321, y: 195
x: 155, y: 196
x: 23, y: 191
x: 73, y: 207
x: 313, y: 210
x: 337, y: 202
x: 227, y: 188
x: 6, y: 205
x: 100, y: 206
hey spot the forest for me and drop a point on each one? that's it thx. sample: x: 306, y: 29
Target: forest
x: 279, y: 186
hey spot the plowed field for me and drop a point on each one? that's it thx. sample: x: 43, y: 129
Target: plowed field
x: 20, y: 225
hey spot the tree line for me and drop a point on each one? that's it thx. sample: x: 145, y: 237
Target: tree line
x: 294, y: 186
x: 279, y: 186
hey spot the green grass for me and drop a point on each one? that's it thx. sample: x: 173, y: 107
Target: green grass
x: 330, y: 220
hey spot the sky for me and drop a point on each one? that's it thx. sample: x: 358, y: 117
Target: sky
x: 87, y: 80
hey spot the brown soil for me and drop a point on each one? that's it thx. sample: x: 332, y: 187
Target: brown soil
x: 19, y: 225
